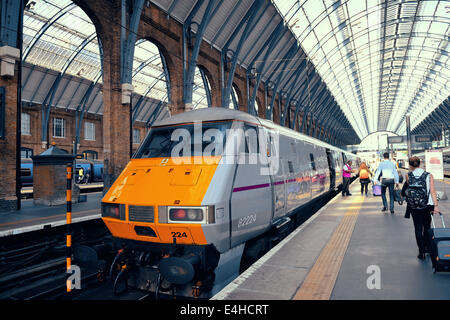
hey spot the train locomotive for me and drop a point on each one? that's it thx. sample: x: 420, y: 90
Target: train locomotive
x: 184, y: 214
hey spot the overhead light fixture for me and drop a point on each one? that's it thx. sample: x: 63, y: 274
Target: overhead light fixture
x: 30, y: 6
x: 79, y: 73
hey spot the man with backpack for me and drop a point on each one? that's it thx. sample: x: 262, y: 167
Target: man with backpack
x: 421, y: 200
x: 387, y: 170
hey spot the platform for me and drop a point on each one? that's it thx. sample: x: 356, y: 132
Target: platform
x: 32, y: 217
x: 333, y: 254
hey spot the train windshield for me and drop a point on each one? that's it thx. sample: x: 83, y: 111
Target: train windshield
x: 185, y: 140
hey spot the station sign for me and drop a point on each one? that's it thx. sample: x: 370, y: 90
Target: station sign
x: 434, y: 163
x: 423, y: 138
x: 418, y: 138
x: 396, y: 139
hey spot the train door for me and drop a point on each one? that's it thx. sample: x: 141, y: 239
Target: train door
x: 338, y: 167
x: 251, y: 199
x: 331, y: 168
x: 279, y: 179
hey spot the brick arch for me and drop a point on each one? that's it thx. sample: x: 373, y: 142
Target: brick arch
x: 241, y: 103
x: 171, y: 67
x: 214, y: 86
x: 260, y: 107
x: 92, y: 10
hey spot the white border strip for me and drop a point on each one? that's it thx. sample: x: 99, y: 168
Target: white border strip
x: 227, y: 290
x: 52, y: 224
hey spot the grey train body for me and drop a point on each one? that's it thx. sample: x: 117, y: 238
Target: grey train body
x: 248, y: 204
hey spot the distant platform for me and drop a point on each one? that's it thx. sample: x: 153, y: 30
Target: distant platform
x: 27, y: 192
x: 333, y: 254
x: 32, y: 218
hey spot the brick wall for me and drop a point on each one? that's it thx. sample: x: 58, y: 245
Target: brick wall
x: 8, y: 199
x: 33, y: 140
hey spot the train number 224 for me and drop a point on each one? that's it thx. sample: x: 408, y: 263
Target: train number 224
x: 179, y: 234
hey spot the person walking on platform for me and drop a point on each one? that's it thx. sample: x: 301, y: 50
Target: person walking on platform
x: 347, y: 174
x: 387, y: 170
x: 421, y: 200
x: 364, y: 178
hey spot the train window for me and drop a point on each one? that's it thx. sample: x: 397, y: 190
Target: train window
x: 179, y: 140
x: 313, y: 164
x: 251, y: 139
x: 90, y: 155
x: 291, y: 167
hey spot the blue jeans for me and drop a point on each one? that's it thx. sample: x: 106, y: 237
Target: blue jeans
x: 388, y: 184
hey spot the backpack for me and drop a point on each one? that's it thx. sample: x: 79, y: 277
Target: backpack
x: 364, y: 174
x: 416, y: 193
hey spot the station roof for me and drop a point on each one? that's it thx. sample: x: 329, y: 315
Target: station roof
x: 369, y: 62
x: 380, y: 59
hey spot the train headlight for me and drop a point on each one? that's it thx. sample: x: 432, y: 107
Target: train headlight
x: 204, y: 214
x: 111, y: 210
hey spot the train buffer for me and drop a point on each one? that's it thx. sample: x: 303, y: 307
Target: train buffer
x: 349, y: 250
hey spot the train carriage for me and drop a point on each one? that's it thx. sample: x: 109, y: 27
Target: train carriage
x: 186, y: 212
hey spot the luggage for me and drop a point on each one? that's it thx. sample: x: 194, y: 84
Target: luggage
x: 440, y: 246
x: 398, y: 196
x: 416, y: 193
x: 376, y: 190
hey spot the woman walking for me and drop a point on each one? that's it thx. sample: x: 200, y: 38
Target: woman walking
x: 364, y: 177
x: 421, y: 200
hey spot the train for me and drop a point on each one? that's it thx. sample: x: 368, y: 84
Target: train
x: 185, y: 214
x: 93, y: 170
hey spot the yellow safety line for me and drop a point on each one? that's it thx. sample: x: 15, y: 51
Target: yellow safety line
x: 321, y: 279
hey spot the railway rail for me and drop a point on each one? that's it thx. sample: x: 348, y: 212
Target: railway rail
x: 33, y: 265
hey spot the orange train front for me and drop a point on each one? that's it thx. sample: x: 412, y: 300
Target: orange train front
x: 198, y: 202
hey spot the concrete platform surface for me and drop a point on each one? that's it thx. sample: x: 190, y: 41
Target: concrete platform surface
x: 337, y: 252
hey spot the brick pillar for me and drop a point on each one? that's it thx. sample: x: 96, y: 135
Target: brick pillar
x: 8, y: 148
x: 116, y: 116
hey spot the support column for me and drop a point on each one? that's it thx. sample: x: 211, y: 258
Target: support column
x: 10, y: 76
x: 116, y: 116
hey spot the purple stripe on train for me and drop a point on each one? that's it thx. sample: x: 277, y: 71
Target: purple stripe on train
x: 264, y: 185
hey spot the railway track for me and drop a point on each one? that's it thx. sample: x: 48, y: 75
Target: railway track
x: 33, y: 265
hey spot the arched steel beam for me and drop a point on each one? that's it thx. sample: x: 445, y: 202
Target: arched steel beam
x: 45, y: 27
x: 248, y: 19
x: 190, y: 72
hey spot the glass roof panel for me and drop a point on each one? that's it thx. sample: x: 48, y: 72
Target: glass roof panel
x: 60, y: 42
x: 379, y: 59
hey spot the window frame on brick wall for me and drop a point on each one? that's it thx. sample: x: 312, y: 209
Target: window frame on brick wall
x: 25, y: 127
x: 63, y: 127
x: 2, y: 113
x: 28, y: 152
x: 138, y: 133
x: 91, y: 136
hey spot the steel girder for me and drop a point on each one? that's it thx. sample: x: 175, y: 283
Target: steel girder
x: 249, y: 21
x: 128, y: 41
x: 9, y: 22
x: 270, y: 44
x: 283, y: 63
x: 45, y: 27
x: 190, y: 71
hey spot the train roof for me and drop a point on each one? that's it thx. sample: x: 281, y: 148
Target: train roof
x: 206, y: 114
x: 217, y: 113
